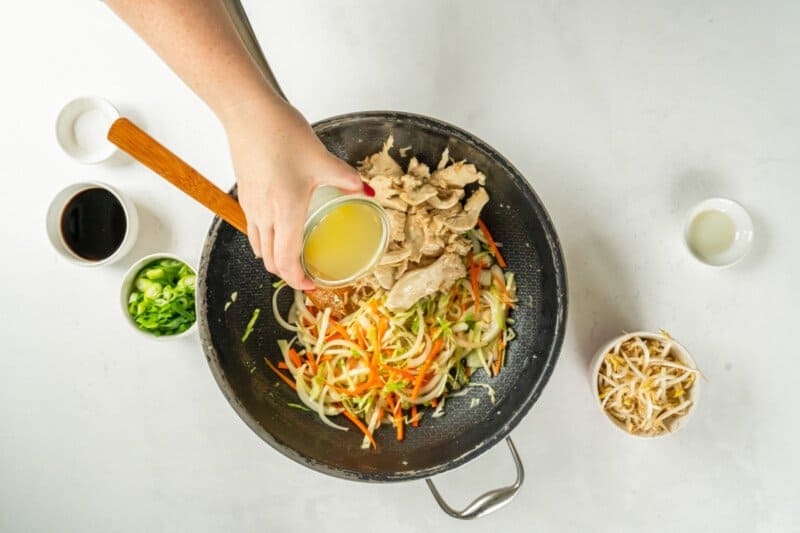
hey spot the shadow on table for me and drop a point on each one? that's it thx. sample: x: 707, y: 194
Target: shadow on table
x: 154, y: 236
x: 603, y: 302
x: 761, y: 243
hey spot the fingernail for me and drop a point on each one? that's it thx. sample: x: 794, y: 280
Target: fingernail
x: 369, y: 191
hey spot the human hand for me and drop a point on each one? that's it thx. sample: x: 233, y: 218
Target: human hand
x: 279, y: 161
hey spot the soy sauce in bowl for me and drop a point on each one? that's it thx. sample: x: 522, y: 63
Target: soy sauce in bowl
x: 93, y: 224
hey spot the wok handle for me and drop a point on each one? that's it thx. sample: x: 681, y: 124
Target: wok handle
x: 248, y: 37
x: 152, y: 154
x: 487, y: 502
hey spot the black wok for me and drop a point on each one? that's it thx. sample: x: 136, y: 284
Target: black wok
x: 516, y: 218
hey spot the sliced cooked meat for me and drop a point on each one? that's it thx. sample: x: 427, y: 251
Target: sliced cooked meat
x: 469, y: 217
x: 395, y: 256
x: 401, y: 269
x: 418, y: 170
x: 433, y: 245
x: 410, y: 183
x: 444, y: 159
x: 381, y: 163
x: 426, y: 216
x: 415, y: 235
x: 458, y: 174
x: 385, y: 193
x: 449, y: 212
x: 397, y: 225
x: 447, y: 199
x: 435, y: 235
x: 459, y: 245
x: 385, y: 276
x: 416, y: 284
x: 419, y: 196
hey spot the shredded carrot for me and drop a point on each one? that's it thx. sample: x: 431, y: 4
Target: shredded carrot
x: 383, y: 325
x: 373, y: 304
x: 434, y: 402
x: 398, y: 421
x: 437, y: 346
x: 340, y: 329
x: 399, y: 372
x: 282, y: 365
x: 499, y: 359
x: 492, y: 245
x: 414, y: 420
x: 376, y: 354
x: 359, y: 390
x: 390, y: 401
x: 295, y: 358
x: 362, y: 341
x: 351, y: 363
x: 360, y: 426
x: 280, y: 374
x: 311, y: 363
x: 380, y: 414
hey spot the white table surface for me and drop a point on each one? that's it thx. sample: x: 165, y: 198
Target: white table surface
x: 621, y: 114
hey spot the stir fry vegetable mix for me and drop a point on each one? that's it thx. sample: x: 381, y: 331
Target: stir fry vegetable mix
x: 644, y: 385
x: 162, y: 298
x: 376, y: 367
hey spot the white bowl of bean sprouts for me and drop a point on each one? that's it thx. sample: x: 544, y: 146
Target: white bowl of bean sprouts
x: 647, y: 384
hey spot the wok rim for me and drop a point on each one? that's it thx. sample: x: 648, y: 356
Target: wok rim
x: 518, y: 412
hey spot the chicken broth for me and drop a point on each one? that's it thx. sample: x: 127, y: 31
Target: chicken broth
x: 344, y: 242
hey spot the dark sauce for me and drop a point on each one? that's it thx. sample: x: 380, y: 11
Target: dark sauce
x: 93, y: 224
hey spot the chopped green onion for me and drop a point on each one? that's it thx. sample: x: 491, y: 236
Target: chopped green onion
x: 161, y: 301
x: 250, y: 324
x: 298, y: 406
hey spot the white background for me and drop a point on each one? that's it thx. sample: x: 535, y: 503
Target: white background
x: 621, y: 114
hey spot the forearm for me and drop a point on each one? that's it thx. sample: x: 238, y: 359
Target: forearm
x: 199, y: 42
x: 277, y: 158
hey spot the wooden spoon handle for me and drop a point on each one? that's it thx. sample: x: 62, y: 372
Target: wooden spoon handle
x: 149, y: 152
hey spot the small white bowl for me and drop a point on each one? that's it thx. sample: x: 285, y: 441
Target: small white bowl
x: 743, y: 231
x: 127, y: 285
x: 56, y: 211
x: 678, y: 350
x: 82, y: 126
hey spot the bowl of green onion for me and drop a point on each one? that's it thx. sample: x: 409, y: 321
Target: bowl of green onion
x: 157, y: 296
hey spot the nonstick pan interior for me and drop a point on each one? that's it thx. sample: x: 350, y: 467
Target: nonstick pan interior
x: 530, y: 246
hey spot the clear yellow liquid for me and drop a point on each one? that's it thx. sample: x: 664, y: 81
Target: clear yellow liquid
x: 711, y: 233
x: 343, y: 243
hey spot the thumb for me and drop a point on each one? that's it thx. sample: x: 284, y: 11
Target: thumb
x: 344, y: 177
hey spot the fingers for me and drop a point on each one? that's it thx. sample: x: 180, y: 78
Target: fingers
x: 261, y: 241
x: 267, y: 236
x: 287, y: 247
x: 344, y: 177
x: 254, y: 238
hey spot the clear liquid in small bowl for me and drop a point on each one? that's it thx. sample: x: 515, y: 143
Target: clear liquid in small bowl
x: 711, y: 233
